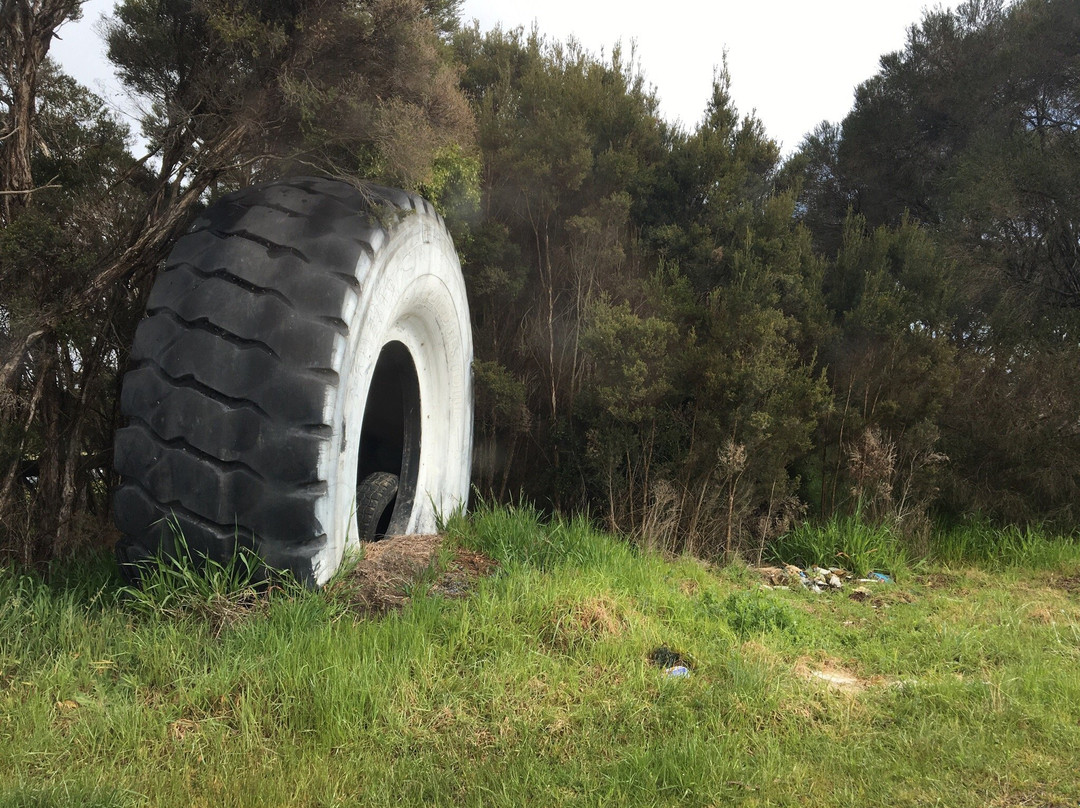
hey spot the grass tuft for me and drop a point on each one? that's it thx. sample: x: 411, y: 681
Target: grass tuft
x: 753, y: 613
x: 186, y: 584
x: 843, y: 541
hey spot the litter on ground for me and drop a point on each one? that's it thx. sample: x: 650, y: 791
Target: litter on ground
x: 817, y: 579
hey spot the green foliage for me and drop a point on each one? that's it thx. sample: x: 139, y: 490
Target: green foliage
x: 752, y: 613
x: 454, y: 185
x: 706, y: 197
x: 629, y: 357
x: 650, y: 290
x: 357, y: 90
x: 892, y: 362
x: 497, y: 389
x: 847, y: 542
x: 56, y: 411
x: 959, y: 163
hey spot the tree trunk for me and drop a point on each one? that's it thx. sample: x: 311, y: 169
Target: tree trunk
x: 26, y: 32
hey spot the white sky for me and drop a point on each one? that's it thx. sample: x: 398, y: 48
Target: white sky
x: 794, y: 62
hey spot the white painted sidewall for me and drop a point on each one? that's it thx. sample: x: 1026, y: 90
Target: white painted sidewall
x: 411, y: 291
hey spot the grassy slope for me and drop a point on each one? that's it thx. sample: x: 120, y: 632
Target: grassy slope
x: 537, y: 689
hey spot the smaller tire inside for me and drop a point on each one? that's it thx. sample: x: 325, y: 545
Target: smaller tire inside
x: 375, y: 499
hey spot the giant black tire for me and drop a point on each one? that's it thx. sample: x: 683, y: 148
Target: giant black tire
x: 303, y: 335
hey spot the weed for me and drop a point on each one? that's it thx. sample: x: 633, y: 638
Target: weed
x: 752, y: 613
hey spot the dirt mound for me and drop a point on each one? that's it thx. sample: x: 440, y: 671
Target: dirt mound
x: 392, y: 568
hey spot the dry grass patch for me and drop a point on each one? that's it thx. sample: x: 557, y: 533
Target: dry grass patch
x: 832, y: 674
x: 1041, y: 615
x: 581, y: 623
x: 1067, y: 583
x: 383, y: 579
x: 689, y: 587
x: 836, y: 676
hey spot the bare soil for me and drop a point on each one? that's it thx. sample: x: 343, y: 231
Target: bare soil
x: 1070, y: 583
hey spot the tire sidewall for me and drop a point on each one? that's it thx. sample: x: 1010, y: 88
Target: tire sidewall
x: 412, y: 292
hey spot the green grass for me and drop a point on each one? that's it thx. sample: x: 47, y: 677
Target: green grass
x: 538, y: 689
x: 844, y: 541
x: 1001, y: 548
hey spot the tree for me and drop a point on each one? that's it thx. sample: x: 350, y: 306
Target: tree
x: 564, y: 139
x: 706, y: 194
x: 892, y: 363
x: 644, y: 291
x: 26, y: 33
x: 975, y: 128
x: 972, y: 133
x: 57, y: 411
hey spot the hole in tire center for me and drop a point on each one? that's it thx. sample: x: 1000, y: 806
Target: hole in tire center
x: 390, y: 435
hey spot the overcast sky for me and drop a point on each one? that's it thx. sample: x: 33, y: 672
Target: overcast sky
x: 796, y: 62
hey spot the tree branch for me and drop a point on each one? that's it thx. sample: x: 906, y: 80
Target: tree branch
x: 50, y: 184
x: 144, y: 251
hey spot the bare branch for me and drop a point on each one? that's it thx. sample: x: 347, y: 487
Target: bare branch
x: 50, y: 184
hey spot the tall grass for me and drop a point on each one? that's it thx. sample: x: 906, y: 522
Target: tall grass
x: 540, y: 688
x: 979, y: 542
x: 842, y: 541
x: 519, y: 534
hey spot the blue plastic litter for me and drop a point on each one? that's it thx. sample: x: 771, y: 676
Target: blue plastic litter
x: 880, y: 576
x: 677, y: 671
